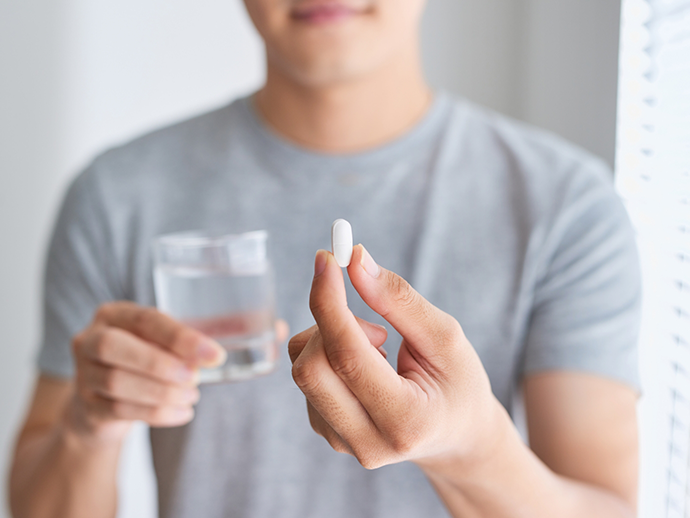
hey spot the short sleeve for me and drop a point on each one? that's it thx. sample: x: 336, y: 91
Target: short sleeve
x: 586, y: 309
x: 79, y: 274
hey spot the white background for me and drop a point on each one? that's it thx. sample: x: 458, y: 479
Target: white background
x: 79, y: 75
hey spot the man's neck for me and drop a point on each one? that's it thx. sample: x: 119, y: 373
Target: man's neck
x: 345, y: 118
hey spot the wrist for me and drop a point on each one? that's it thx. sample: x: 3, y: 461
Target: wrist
x: 80, y: 429
x: 475, y: 459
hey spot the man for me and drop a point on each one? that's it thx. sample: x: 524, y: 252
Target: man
x: 503, y: 230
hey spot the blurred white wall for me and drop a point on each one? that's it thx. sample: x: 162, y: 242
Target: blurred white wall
x: 552, y: 63
x: 569, y: 72
x: 77, y: 76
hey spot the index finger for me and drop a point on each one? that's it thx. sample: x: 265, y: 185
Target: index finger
x: 351, y: 355
x: 195, y: 348
x: 375, y: 333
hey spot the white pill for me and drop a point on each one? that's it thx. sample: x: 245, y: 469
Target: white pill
x: 341, y: 242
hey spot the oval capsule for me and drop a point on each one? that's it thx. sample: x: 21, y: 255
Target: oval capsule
x: 341, y: 242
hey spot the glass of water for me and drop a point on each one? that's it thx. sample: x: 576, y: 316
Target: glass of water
x: 223, y: 286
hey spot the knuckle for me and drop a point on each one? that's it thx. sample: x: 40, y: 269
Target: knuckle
x: 83, y: 390
x: 117, y: 409
x: 316, y: 421
x: 80, y: 375
x: 298, y: 342
x: 183, y: 338
x: 452, y: 332
x: 368, y: 461
x: 401, y: 289
x: 346, y: 365
x: 149, y: 365
x: 104, y: 311
x: 295, y: 346
x: 77, y: 343
x: 403, y: 445
x: 112, y: 381
x: 158, y: 415
x: 404, y: 296
x: 145, y: 319
x: 166, y: 395
x: 320, y: 306
x: 294, y: 350
x: 305, y: 376
x: 449, y: 334
x: 152, y: 365
x: 337, y: 443
x: 332, y: 438
x: 340, y: 447
x: 105, y: 343
x: 315, y: 306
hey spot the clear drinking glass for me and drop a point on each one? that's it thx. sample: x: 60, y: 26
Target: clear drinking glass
x: 223, y: 286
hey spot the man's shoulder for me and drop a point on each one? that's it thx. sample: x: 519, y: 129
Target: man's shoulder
x: 538, y: 164
x: 534, y: 150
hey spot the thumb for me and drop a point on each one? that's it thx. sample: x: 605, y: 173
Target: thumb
x: 415, y: 318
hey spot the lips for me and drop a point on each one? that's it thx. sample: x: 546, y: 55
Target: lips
x: 324, y: 12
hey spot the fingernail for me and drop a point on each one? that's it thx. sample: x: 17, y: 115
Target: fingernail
x: 379, y: 326
x: 369, y: 264
x: 320, y: 262
x: 383, y: 352
x: 210, y: 351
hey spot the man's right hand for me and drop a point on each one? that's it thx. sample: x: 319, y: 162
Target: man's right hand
x: 136, y: 363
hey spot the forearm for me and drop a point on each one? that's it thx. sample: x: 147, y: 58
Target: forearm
x: 514, y: 483
x: 58, y: 474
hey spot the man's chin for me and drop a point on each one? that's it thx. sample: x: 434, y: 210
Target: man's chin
x: 329, y: 78
x: 324, y: 73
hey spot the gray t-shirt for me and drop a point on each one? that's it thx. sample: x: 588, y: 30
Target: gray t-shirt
x: 517, y: 234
